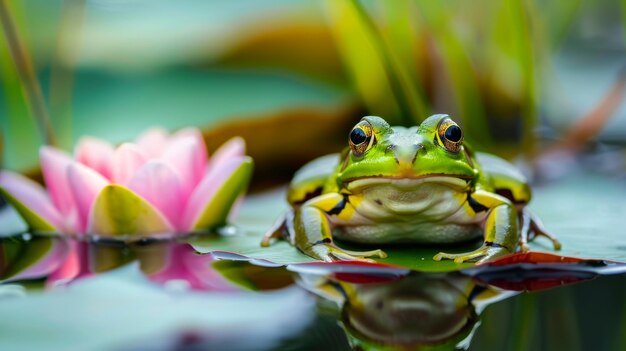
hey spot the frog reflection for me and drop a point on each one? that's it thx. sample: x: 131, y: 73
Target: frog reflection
x: 419, y: 311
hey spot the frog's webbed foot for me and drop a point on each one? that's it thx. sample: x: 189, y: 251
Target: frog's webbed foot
x: 330, y: 253
x: 480, y: 255
x: 281, y: 229
x: 538, y: 229
x: 531, y: 228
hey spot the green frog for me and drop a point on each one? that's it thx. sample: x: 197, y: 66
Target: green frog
x: 396, y: 185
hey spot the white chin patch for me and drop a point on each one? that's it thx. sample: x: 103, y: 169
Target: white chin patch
x: 407, y: 183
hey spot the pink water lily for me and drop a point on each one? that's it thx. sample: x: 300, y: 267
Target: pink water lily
x: 162, y: 183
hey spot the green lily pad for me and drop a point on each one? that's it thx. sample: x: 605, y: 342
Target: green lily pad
x: 119, y: 211
x: 121, y: 309
x: 588, y: 215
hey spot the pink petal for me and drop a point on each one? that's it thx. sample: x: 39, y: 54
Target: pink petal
x: 128, y: 158
x: 32, y: 195
x: 183, y: 262
x: 201, y: 152
x: 208, y: 188
x: 159, y: 184
x: 75, y: 266
x: 86, y: 184
x: 153, y: 142
x: 235, y: 147
x: 54, y: 164
x: 184, y: 155
x: 96, y: 154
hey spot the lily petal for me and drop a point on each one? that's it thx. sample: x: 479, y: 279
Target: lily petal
x: 31, y: 201
x: 183, y: 155
x: 96, y: 154
x: 200, y: 153
x: 212, y: 200
x: 234, y: 147
x: 86, y: 184
x: 54, y: 164
x: 128, y: 158
x: 153, y: 142
x: 119, y: 211
x: 159, y: 184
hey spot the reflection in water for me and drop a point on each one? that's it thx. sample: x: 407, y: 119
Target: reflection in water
x: 379, y: 307
x: 418, y: 311
x: 59, y: 261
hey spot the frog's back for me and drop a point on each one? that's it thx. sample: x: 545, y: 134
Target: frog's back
x: 309, y: 180
x: 504, y: 178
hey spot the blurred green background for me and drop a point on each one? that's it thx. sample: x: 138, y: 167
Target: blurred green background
x: 293, y: 76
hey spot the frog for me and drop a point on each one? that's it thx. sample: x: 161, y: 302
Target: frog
x: 420, y: 185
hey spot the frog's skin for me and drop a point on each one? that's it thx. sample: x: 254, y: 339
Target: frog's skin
x: 408, y: 185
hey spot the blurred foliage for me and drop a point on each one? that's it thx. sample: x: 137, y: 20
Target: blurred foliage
x: 486, y: 63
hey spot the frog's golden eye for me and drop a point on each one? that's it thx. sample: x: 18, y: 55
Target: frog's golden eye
x: 451, y: 135
x: 360, y: 138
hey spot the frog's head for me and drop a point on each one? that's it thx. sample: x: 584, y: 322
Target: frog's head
x: 431, y: 152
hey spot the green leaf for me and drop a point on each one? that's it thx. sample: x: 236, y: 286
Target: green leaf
x: 18, y: 255
x: 119, y: 211
x: 379, y: 73
x: 35, y: 221
x: 216, y: 211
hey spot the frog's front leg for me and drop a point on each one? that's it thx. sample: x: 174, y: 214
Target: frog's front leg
x: 313, y: 228
x: 500, y: 229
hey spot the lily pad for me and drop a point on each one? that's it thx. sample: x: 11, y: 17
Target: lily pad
x: 126, y: 311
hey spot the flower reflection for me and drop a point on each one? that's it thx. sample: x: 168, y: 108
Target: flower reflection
x: 159, y: 184
x: 60, y: 261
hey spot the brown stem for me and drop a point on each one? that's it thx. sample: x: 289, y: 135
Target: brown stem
x: 588, y: 126
x: 28, y: 79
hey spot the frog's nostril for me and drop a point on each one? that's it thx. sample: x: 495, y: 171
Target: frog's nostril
x: 418, y: 149
x: 408, y: 153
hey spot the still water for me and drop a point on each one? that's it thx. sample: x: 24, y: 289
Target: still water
x: 162, y: 294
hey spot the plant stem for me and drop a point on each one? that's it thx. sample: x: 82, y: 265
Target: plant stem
x: 26, y: 72
x: 410, y: 103
x: 62, y: 69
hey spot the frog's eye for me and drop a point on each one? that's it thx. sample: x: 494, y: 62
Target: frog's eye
x: 451, y: 135
x: 360, y: 138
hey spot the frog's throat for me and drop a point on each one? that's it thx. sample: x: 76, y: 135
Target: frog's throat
x: 454, y: 181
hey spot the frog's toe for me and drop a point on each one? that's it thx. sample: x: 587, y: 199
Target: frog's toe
x: 457, y: 258
x: 331, y: 253
x: 524, y: 247
x: 480, y: 255
x: 339, y: 256
x: 348, y: 255
x: 371, y: 253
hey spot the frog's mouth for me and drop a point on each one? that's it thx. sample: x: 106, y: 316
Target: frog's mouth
x: 455, y: 181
